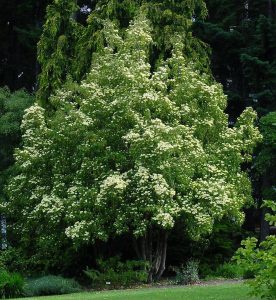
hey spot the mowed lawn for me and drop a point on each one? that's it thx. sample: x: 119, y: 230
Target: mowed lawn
x: 215, y: 292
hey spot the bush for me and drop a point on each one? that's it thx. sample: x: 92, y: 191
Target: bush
x: 248, y: 274
x: 11, y: 284
x: 51, y: 285
x: 114, y: 273
x: 187, y: 274
x: 229, y: 271
x: 261, y: 260
x: 12, y: 260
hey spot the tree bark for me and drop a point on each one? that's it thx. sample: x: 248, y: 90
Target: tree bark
x: 163, y: 257
x: 4, y: 242
x: 264, y: 228
x: 266, y: 184
x: 152, y: 247
x: 270, y: 11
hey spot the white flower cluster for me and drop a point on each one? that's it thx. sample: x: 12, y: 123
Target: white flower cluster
x: 79, y: 231
x: 114, y: 181
x: 51, y: 206
x: 134, y: 148
x: 165, y: 220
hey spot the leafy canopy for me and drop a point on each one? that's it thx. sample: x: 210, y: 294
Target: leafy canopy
x: 12, y: 106
x: 265, y: 162
x: 127, y: 149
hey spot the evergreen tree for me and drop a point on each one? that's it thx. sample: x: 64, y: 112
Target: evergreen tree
x: 265, y: 166
x: 242, y: 35
x: 21, y: 23
x: 56, y: 46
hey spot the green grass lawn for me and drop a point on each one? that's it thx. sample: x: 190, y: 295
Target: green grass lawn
x: 218, y: 292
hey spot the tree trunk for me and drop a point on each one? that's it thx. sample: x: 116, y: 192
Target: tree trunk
x: 270, y: 11
x: 4, y: 242
x: 264, y: 225
x: 152, y: 247
x: 264, y: 228
x: 163, y: 257
x: 246, y: 7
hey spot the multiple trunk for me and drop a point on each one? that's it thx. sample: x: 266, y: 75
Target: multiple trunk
x: 152, y: 247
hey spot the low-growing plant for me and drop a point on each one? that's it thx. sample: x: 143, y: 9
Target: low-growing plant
x: 228, y: 271
x: 51, y: 285
x: 187, y: 274
x: 114, y: 273
x: 261, y: 260
x: 13, y: 260
x: 11, y: 284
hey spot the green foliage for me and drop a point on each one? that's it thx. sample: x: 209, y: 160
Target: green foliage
x: 265, y: 162
x: 12, y: 106
x: 13, y: 260
x: 112, y: 272
x: 66, y: 46
x: 187, y: 274
x: 228, y: 271
x: 211, y: 250
x: 261, y: 260
x: 20, y: 23
x: 12, y: 110
x: 55, y: 48
x: 242, y: 37
x: 222, y: 243
x: 11, y: 284
x: 150, y: 147
x: 51, y: 285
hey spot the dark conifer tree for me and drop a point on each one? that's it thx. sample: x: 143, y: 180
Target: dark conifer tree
x: 21, y: 24
x: 242, y: 36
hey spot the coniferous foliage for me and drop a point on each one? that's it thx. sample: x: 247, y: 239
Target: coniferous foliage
x: 265, y: 162
x: 21, y: 25
x: 242, y: 35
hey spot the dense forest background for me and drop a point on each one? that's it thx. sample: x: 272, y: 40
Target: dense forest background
x: 240, y: 39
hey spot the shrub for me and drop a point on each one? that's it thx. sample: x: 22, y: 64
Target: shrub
x: 205, y: 270
x: 187, y: 274
x: 248, y: 274
x: 114, y: 273
x: 51, y: 285
x: 261, y: 260
x: 11, y: 284
x: 14, y: 260
x: 229, y: 271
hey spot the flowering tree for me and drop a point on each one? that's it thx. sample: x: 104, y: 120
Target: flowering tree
x: 129, y: 150
x: 68, y: 40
